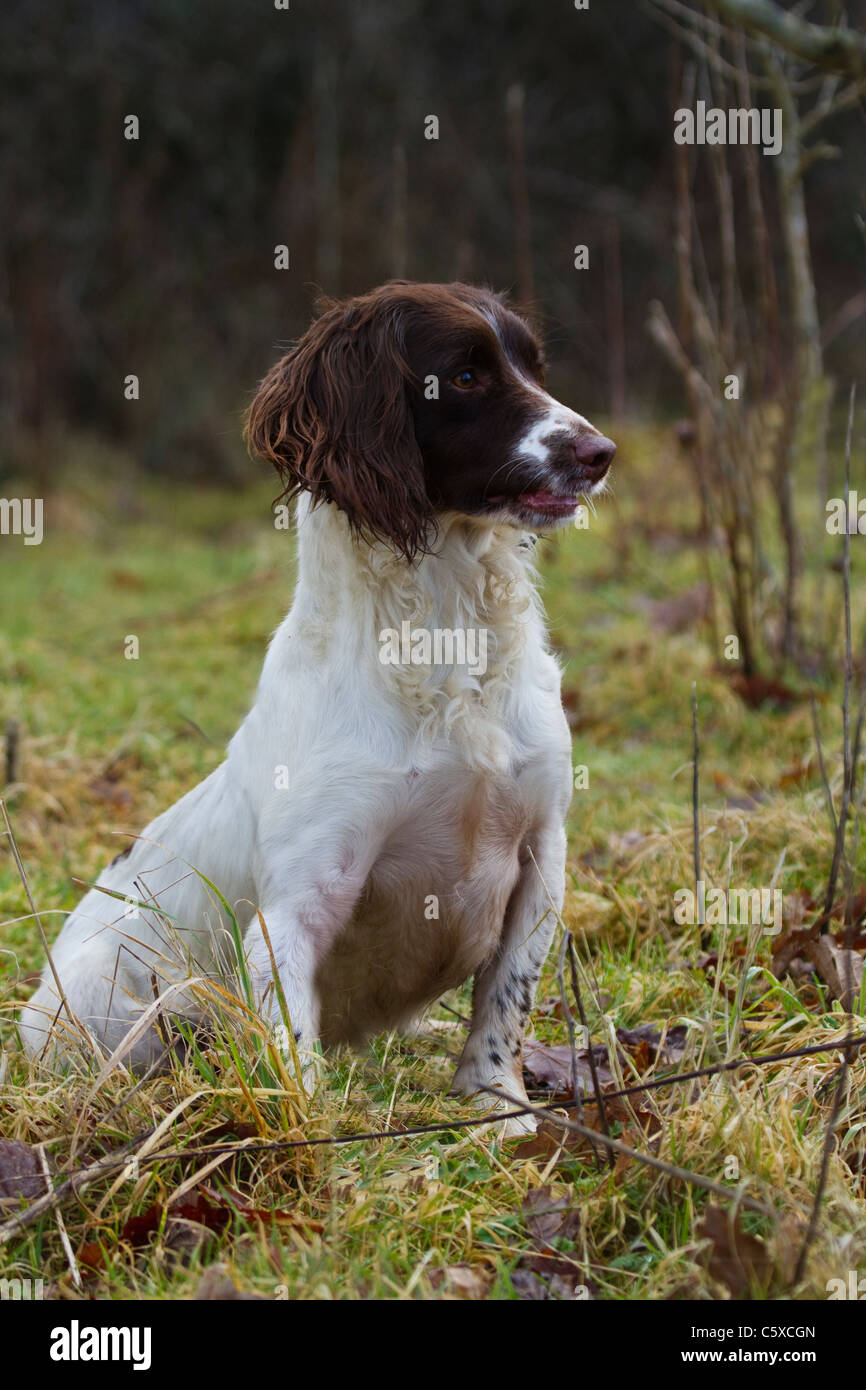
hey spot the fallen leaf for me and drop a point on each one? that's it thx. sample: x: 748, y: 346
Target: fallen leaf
x: 92, y: 1257
x: 734, y: 1258
x: 840, y: 969
x: 756, y: 691
x: 232, y: 1129
x: 230, y: 1196
x: 551, y: 1139
x: 110, y: 791
x: 671, y: 1050
x: 538, y: 1279
x: 550, y: 1218
x: 21, y: 1173
x: 790, y: 945
x: 125, y: 579
x: 551, y: 1067
x: 464, y: 1281
x: 216, y: 1285
x: 587, y: 912
x: 683, y: 613
x: 799, y: 774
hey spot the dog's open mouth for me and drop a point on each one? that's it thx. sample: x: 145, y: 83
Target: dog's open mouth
x: 548, y: 503
x: 542, y: 503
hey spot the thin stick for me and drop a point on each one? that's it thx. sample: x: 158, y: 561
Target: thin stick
x: 44, y: 938
x: 61, y: 1224
x: 822, y: 767
x: 596, y: 1086
x: 849, y: 772
x: 839, y: 846
x: 829, y: 1136
x: 13, y: 730
x: 118, y: 1158
x: 696, y: 827
x: 569, y: 1024
x: 669, y: 1169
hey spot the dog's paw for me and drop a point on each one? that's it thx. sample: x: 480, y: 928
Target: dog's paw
x: 310, y: 1057
x: 477, y: 1088
x: 519, y: 1126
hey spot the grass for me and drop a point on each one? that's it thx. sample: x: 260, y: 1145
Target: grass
x: 201, y: 578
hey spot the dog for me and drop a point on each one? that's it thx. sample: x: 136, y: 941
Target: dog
x: 389, y: 818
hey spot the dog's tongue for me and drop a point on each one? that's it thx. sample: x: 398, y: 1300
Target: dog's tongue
x: 547, y: 502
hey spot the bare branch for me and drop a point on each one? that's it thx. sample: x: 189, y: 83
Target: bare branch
x: 833, y: 48
x: 840, y: 101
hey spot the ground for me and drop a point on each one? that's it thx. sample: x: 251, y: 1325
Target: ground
x: 201, y: 577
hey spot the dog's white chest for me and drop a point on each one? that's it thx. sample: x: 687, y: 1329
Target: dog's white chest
x: 434, y: 901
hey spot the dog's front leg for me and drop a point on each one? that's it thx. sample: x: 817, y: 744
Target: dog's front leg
x: 505, y: 986
x: 309, y: 880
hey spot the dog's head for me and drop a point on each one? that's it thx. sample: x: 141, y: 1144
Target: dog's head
x: 416, y: 400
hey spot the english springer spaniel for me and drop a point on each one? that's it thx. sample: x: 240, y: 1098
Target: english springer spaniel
x: 389, y: 819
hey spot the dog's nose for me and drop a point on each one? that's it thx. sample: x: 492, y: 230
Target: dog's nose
x: 594, y: 452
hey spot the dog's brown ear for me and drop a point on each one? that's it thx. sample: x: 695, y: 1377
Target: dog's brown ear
x: 333, y: 417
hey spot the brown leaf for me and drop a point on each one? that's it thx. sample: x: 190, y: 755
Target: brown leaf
x: 551, y: 1278
x: 110, y: 791
x: 21, y: 1173
x: 840, y: 969
x: 125, y: 579
x: 231, y: 1129
x: 551, y: 1067
x: 682, y: 613
x: 756, y: 691
x: 672, y: 1050
x: 217, y: 1286
x: 550, y: 1218
x: 138, y: 1230
x: 790, y: 944
x: 735, y: 1259
x: 229, y: 1199
x: 799, y: 774
x: 92, y: 1257
x: 464, y: 1281
x: 551, y: 1139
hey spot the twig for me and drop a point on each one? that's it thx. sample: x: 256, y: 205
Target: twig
x: 61, y: 1224
x: 828, y: 46
x: 17, y: 857
x: 596, y: 1085
x: 671, y: 1170
x: 462, y: 1017
x: 575, y: 985
x: 118, y: 1158
x: 568, y: 945
x: 13, y: 730
x: 841, y: 1087
x: 822, y: 768
x: 847, y: 778
x: 569, y: 1024
x: 696, y: 825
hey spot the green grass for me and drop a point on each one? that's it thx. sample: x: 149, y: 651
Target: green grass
x: 201, y: 578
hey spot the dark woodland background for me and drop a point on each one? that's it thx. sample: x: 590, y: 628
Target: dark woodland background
x: 306, y: 127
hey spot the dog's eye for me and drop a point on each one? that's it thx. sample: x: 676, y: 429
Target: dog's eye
x: 466, y: 379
